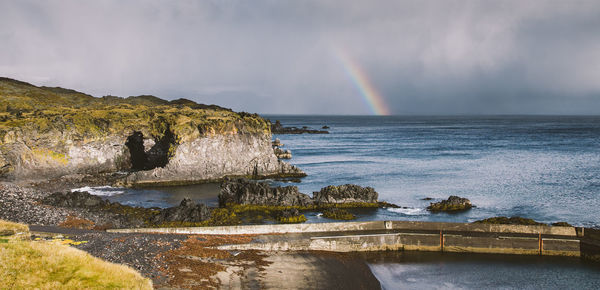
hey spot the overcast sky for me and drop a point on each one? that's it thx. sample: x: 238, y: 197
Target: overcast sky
x: 424, y: 57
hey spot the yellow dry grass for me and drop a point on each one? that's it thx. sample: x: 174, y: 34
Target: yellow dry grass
x: 49, y: 265
x: 4, y: 225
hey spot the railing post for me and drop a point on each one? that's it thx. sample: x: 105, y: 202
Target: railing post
x: 441, y: 241
x: 540, y: 243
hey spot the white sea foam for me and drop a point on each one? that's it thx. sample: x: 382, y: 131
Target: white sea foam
x: 408, y: 211
x: 100, y: 190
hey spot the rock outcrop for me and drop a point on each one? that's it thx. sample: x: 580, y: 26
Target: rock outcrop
x: 277, y: 128
x: 282, y: 154
x: 242, y: 191
x: 76, y: 199
x: 187, y: 211
x: 51, y: 132
x: 348, y: 193
x: 246, y: 192
x: 119, y: 215
x: 453, y: 203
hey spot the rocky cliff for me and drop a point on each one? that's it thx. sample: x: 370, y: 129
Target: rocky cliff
x: 49, y: 132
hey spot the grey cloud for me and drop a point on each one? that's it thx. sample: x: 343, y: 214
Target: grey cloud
x: 425, y: 57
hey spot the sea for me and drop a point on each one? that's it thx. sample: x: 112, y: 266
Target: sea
x: 546, y: 168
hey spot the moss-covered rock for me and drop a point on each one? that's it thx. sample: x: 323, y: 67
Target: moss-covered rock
x: 290, y: 216
x: 452, y: 204
x: 561, y: 224
x: 338, y: 214
x: 515, y: 220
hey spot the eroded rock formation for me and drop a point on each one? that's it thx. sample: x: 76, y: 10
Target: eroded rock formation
x: 51, y: 132
x: 242, y: 191
x: 246, y: 192
x: 348, y: 193
x: 187, y: 211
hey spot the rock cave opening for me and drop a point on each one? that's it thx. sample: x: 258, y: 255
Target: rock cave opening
x: 156, y: 156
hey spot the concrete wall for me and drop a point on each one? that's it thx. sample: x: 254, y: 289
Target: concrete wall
x: 406, y: 235
x: 264, y: 229
x: 359, y: 226
x: 483, y: 228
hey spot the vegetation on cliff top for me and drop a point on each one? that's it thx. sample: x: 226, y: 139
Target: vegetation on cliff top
x: 27, y: 108
x: 51, y: 265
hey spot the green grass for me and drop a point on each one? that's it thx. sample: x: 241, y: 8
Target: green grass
x: 39, y: 110
x: 49, y: 265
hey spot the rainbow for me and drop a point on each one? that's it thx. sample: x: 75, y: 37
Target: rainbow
x: 360, y: 80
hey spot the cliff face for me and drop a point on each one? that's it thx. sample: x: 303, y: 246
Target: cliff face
x: 49, y: 132
x: 218, y: 156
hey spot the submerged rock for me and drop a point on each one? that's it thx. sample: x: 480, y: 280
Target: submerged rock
x: 453, y: 203
x: 243, y: 191
x: 348, y: 193
x: 187, y: 211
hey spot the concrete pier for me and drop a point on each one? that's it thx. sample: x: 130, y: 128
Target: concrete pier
x: 408, y: 236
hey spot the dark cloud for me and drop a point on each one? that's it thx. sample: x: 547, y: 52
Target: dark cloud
x: 425, y: 57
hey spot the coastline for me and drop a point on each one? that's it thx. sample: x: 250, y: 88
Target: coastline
x: 155, y: 256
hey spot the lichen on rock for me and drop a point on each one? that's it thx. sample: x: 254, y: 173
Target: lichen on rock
x: 49, y: 132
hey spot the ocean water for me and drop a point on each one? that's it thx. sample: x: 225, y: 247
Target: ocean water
x: 545, y: 168
x: 541, y: 167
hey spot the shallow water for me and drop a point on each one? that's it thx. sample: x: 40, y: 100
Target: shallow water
x: 158, y: 196
x: 418, y: 270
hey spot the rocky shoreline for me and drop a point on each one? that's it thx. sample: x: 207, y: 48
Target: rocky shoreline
x: 277, y: 128
x: 49, y: 147
x: 240, y: 201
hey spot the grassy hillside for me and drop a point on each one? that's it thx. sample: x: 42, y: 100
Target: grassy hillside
x: 49, y: 265
x: 25, y: 109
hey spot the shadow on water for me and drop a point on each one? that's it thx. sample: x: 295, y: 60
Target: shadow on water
x: 434, y: 270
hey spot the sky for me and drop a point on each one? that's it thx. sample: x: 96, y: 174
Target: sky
x: 315, y: 57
